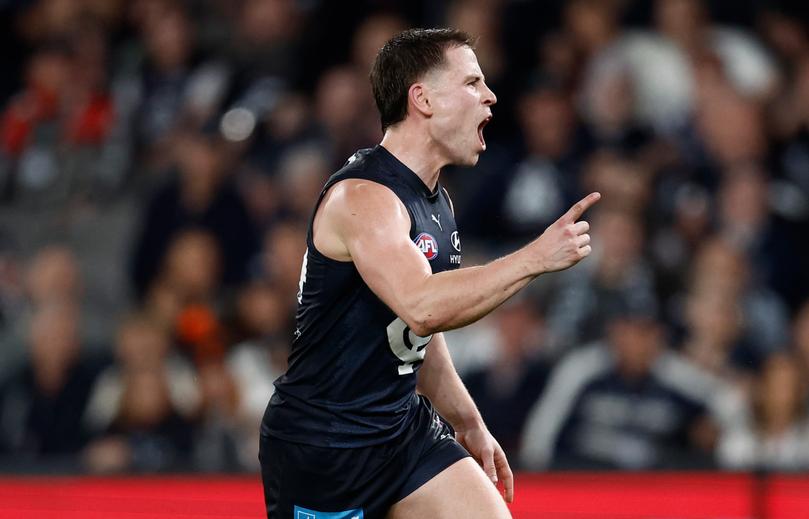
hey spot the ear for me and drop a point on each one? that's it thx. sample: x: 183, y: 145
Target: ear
x: 418, y: 97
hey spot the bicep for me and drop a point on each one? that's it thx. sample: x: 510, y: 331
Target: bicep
x: 375, y: 228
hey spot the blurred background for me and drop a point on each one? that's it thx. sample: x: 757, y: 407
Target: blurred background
x: 158, y: 164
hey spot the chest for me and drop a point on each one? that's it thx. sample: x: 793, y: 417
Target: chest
x: 435, y: 233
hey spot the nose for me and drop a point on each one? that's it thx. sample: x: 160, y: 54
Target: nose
x: 488, y: 96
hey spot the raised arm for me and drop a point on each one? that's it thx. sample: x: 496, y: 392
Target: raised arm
x: 365, y: 222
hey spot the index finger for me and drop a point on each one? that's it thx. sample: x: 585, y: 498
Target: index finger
x: 508, y: 484
x: 575, y: 212
x: 506, y: 475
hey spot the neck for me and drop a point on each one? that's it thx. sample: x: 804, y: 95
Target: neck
x: 415, y: 149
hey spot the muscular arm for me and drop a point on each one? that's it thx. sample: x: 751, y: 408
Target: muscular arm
x: 366, y: 223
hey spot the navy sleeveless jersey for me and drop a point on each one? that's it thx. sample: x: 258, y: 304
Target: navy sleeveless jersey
x: 352, y: 367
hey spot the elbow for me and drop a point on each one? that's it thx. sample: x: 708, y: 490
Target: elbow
x: 422, y: 330
x: 423, y: 324
x: 423, y: 315
x: 421, y: 327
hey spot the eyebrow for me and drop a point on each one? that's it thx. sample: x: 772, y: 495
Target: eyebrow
x: 473, y: 76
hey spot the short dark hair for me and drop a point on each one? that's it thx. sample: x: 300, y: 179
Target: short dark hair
x: 405, y: 59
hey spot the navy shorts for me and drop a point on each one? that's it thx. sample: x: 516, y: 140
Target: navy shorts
x: 308, y: 482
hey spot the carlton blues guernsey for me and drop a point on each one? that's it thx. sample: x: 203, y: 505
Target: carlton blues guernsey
x: 352, y: 367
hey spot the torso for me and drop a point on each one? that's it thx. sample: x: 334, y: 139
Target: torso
x: 353, y: 363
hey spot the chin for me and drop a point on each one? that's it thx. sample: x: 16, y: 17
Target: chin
x: 469, y: 160
x: 466, y: 161
x: 467, y: 155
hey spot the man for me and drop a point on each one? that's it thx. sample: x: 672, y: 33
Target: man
x: 351, y: 431
x: 629, y: 402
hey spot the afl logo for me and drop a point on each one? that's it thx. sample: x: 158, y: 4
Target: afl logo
x: 428, y: 245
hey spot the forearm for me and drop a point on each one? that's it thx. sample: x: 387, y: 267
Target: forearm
x: 399, y: 274
x: 453, y: 299
x: 438, y: 381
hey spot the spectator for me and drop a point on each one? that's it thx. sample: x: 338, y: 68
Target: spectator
x: 190, y: 278
x: 41, y: 404
x: 779, y: 437
x: 266, y: 44
x: 52, y: 278
x: 343, y: 105
x: 729, y: 127
x: 30, y: 126
x: 675, y: 242
x: 730, y: 318
x: 142, y: 407
x: 624, y: 182
x: 147, y: 435
x: 256, y: 360
x: 171, y: 85
x: 370, y: 36
x: 201, y: 196
x: 607, y: 111
x: 630, y: 404
x: 301, y: 174
x: 661, y: 67
x: 746, y: 220
x: 142, y: 344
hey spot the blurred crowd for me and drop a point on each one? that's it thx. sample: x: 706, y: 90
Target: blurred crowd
x: 159, y: 160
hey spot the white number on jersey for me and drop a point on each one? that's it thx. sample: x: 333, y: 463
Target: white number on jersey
x: 406, y: 345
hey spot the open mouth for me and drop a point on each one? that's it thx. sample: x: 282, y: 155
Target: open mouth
x: 480, y: 131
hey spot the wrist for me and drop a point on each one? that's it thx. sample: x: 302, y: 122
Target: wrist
x: 470, y: 423
x: 532, y: 260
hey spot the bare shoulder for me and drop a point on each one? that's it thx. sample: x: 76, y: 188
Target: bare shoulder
x: 357, y: 210
x: 358, y: 202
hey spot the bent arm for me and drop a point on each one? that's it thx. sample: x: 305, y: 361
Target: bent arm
x: 373, y: 226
